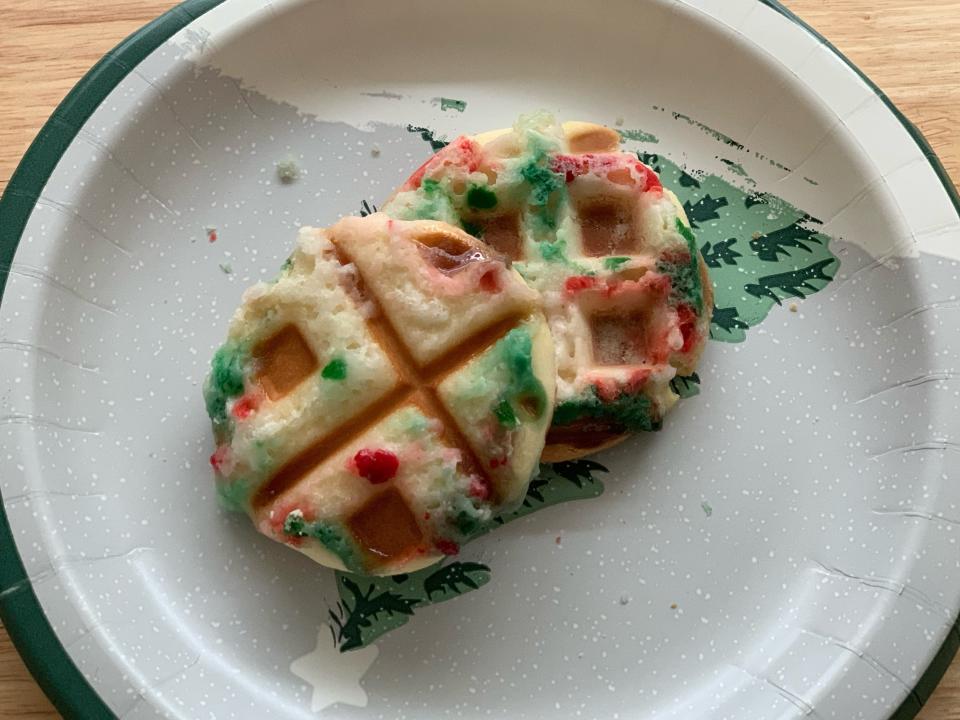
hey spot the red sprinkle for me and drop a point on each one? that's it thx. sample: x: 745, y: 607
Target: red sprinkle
x: 245, y: 406
x: 465, y: 153
x: 219, y: 457
x: 573, y: 166
x: 607, y: 389
x: 413, y: 182
x: 447, y: 547
x: 480, y: 488
x: 688, y: 326
x: 653, y: 183
x: 638, y: 378
x: 377, y: 466
x: 212, y: 235
x: 578, y: 283
x: 570, y: 165
x: 462, y: 152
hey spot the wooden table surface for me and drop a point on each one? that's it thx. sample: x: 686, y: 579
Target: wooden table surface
x: 911, y: 48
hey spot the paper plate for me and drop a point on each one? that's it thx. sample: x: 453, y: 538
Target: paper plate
x: 786, y: 547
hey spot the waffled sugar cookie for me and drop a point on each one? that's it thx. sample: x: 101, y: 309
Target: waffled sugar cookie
x: 591, y: 228
x: 384, y: 397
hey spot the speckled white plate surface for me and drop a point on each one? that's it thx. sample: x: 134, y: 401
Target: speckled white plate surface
x: 786, y: 547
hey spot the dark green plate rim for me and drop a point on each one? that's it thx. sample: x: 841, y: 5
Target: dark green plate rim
x: 20, y: 610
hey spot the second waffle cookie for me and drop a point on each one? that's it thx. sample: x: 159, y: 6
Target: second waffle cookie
x: 609, y: 248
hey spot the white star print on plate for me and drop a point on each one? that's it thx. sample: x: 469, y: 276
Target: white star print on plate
x: 334, y: 676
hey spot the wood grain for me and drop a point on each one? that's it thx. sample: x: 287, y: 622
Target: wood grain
x: 909, y: 47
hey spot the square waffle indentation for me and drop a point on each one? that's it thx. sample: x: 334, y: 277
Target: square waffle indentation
x: 284, y: 360
x: 607, y: 227
x: 619, y: 338
x: 385, y: 526
x: 593, y: 139
x: 501, y: 232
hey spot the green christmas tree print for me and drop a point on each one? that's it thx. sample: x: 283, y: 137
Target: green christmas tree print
x: 797, y: 283
x: 686, y: 386
x: 362, y: 609
x: 446, y: 582
x: 727, y: 325
x: 720, y: 253
x: 787, y: 252
x: 788, y: 257
x: 704, y: 209
x: 429, y: 136
x: 769, y: 247
x: 371, y: 606
x: 759, y: 248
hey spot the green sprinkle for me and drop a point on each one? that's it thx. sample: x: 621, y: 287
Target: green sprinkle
x: 225, y: 381
x: 544, y: 221
x: 226, y: 268
x: 328, y: 535
x: 505, y: 414
x: 451, y: 104
x: 432, y: 202
x: 468, y: 524
x: 707, y: 510
x: 632, y: 412
x: 524, y: 390
x: 338, y: 543
x: 336, y: 369
x: 553, y: 251
x: 294, y: 524
x: 471, y: 228
x: 543, y: 182
x: 685, y: 279
x: 614, y: 263
x: 687, y: 233
x: 234, y: 495
x: 284, y: 270
x: 466, y: 519
x: 481, y: 198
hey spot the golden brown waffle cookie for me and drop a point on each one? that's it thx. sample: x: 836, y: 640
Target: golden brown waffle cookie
x: 385, y: 397
x: 592, y: 229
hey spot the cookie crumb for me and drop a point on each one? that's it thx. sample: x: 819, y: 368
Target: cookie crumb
x: 794, y: 307
x: 288, y: 171
x: 674, y: 606
x: 375, y: 151
x: 624, y: 599
x: 557, y: 541
x: 618, y: 122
